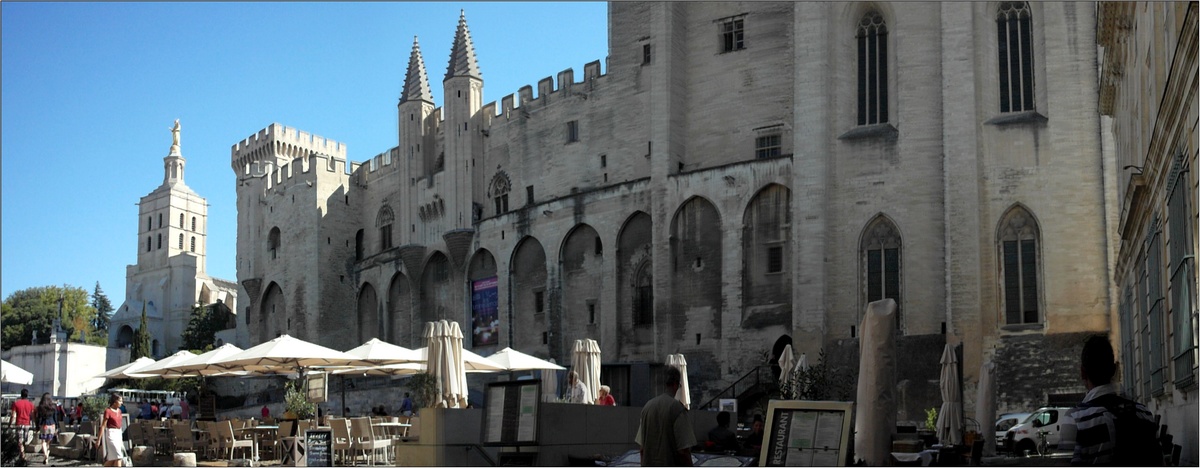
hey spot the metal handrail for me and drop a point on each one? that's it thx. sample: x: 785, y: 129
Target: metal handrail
x: 731, y: 389
x: 479, y: 449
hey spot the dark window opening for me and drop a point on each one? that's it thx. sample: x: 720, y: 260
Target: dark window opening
x: 732, y: 35
x: 872, y: 70
x: 774, y: 259
x: 768, y: 146
x: 645, y: 54
x: 539, y: 303
x: 1014, y: 41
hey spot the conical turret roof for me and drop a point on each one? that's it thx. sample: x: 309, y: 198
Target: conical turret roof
x: 416, y: 81
x: 462, y: 56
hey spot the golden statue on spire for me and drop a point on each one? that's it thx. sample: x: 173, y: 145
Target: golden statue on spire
x: 175, y: 134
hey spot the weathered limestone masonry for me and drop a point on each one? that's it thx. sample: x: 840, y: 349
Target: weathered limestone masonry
x: 1149, y: 105
x: 739, y: 176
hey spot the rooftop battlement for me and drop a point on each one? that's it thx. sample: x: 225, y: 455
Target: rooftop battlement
x: 278, y: 142
x: 547, y: 92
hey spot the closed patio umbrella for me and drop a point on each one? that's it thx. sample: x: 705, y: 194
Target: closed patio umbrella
x: 786, y: 361
x: 585, y: 361
x: 11, y: 373
x: 550, y: 383
x: 684, y: 393
x: 949, y: 422
x: 446, y: 363
x: 985, y: 406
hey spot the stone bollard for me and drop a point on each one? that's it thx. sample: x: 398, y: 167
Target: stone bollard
x: 142, y: 456
x: 184, y: 459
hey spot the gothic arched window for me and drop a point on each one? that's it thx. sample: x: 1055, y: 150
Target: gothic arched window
x: 880, y: 252
x: 872, y: 69
x: 643, y: 295
x: 1015, y: 42
x: 181, y: 242
x: 160, y: 241
x: 498, y: 191
x: 181, y: 221
x: 1019, y: 264
x: 384, y: 221
x: 193, y: 223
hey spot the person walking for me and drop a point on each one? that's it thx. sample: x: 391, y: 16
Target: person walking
x: 1110, y: 429
x: 22, y: 417
x: 113, y: 448
x: 47, y: 421
x: 406, y: 405
x: 665, y: 431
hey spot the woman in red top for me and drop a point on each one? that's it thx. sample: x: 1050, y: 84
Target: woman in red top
x: 110, y: 438
x: 605, y: 397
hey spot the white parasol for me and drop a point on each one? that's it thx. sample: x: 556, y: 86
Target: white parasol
x: 514, y: 360
x: 128, y: 370
x: 201, y: 365
x: 684, y: 393
x: 162, y: 366
x: 550, y: 383
x: 11, y: 373
x: 985, y: 405
x: 786, y: 361
x: 286, y: 354
x: 445, y: 363
x: 949, y: 422
x: 585, y: 361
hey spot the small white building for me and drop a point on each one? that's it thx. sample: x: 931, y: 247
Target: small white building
x: 63, y: 369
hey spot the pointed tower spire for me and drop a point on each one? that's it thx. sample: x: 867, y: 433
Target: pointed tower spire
x: 416, y: 81
x: 462, y: 56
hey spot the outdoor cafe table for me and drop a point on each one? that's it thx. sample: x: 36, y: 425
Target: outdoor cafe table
x: 257, y: 431
x: 391, y: 428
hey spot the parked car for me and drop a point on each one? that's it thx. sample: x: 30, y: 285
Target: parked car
x: 1006, y: 422
x: 1023, y: 437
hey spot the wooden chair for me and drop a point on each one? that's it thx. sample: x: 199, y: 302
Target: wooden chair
x: 362, y: 437
x: 133, y: 436
x: 229, y: 442
x: 284, y: 438
x: 183, y: 437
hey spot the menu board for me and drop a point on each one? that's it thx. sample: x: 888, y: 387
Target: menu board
x: 316, y: 445
x: 807, y: 433
x: 511, y: 417
x: 207, y: 411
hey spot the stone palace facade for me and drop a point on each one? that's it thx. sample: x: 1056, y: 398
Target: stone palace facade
x: 738, y: 176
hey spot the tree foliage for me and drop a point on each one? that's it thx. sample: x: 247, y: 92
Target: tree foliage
x: 34, y: 310
x: 103, y: 308
x: 819, y: 382
x: 141, y: 340
x: 202, y: 328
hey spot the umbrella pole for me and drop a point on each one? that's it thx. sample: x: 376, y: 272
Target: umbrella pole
x: 343, y: 396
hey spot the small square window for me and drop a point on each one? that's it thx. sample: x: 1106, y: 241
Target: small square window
x: 572, y: 131
x: 732, y: 35
x: 645, y: 54
x: 768, y: 146
x: 775, y: 259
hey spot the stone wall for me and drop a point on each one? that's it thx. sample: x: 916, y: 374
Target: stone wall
x: 1031, y: 369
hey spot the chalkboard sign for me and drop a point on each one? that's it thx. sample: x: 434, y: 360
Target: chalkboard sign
x: 208, y: 407
x: 807, y: 433
x: 316, y: 445
x: 511, y: 417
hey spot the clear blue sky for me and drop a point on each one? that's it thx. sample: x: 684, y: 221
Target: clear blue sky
x: 90, y: 90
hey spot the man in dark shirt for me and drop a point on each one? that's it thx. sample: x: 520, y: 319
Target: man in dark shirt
x: 1110, y: 430
x: 723, y: 439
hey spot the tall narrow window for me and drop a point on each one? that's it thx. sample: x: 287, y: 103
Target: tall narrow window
x: 193, y: 243
x: 539, y: 301
x: 181, y: 221
x: 1015, y: 44
x: 160, y: 241
x: 181, y: 242
x: 273, y: 242
x: 529, y: 195
x: 1019, y: 263
x: 193, y: 223
x: 160, y: 220
x: 1182, y: 279
x: 149, y: 244
x: 149, y: 223
x: 498, y: 190
x: 1156, y: 366
x: 643, y: 295
x: 881, y: 258
x: 768, y: 146
x: 384, y: 221
x: 872, y: 69
x: 572, y: 131
x: 732, y: 34
x: 358, y: 245
x: 645, y: 54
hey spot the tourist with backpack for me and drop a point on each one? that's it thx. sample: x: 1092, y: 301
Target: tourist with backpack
x: 1110, y: 429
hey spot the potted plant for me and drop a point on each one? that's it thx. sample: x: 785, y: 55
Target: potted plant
x: 296, y: 404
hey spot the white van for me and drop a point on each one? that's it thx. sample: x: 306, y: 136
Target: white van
x: 1023, y: 438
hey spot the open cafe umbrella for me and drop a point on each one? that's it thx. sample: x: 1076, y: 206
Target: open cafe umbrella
x: 10, y: 373
x: 585, y: 361
x: 473, y: 363
x: 160, y: 368
x: 128, y: 370
x: 684, y: 393
x: 286, y: 354
x: 380, y: 353
x: 949, y: 422
x: 514, y: 360
x: 202, y: 365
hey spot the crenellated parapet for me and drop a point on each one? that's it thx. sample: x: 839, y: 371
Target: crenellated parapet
x: 278, y: 144
x: 547, y: 92
x: 379, y: 166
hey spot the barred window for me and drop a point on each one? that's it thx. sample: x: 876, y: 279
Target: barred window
x: 181, y: 222
x: 1182, y: 301
x: 768, y: 146
x: 193, y: 223
x: 160, y: 241
x: 1019, y: 263
x: 193, y: 243
x: 572, y: 131
x: 1156, y: 365
x: 181, y: 242
x: 1015, y: 43
x: 881, y: 258
x: 732, y: 35
x: 872, y: 69
x: 273, y: 242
